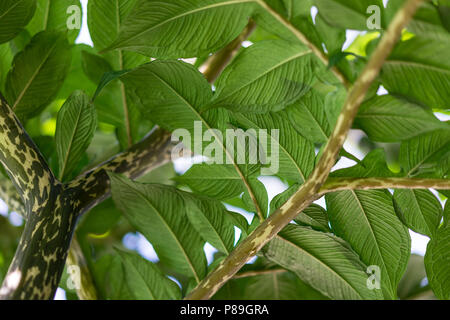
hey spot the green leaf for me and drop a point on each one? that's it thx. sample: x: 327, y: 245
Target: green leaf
x: 314, y: 216
x: 75, y: 127
x: 412, y: 279
x: 102, y: 218
x: 425, y: 23
x: 38, y: 73
x: 266, y: 76
x: 54, y: 15
x: 176, y: 100
x: 422, y: 64
x: 347, y: 14
x: 437, y: 260
x: 426, y: 154
x: 367, y: 221
x: 325, y: 262
x: 109, y: 276
x: 419, y: 210
x: 209, y: 218
x: 389, y: 119
x: 178, y: 93
x: 159, y: 213
x: 276, y: 285
x: 6, y: 58
x: 152, y: 25
x: 145, y: 280
x: 213, y: 180
x: 105, y: 18
x: 94, y: 66
x: 14, y: 16
x: 308, y: 117
x: 292, y: 156
x: 373, y: 165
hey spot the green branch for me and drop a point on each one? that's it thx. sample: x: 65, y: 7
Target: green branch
x: 310, y: 189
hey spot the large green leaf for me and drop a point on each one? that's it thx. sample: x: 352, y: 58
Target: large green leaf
x: 314, y: 216
x: 389, y: 119
x: 419, y: 210
x: 54, y: 15
x: 177, y: 98
x: 411, y: 281
x: 178, y: 93
x: 38, y: 73
x: 437, y: 260
x: 295, y: 154
x: 367, y: 221
x: 267, y: 76
x: 420, y: 63
x: 308, y: 116
x: 427, y: 154
x: 347, y: 14
x: 14, y: 16
x: 373, y: 165
x: 75, y: 127
x: 145, y: 280
x: 276, y: 285
x: 214, y: 180
x: 200, y: 27
x: 325, y: 262
x: 110, y: 278
x: 159, y: 213
x: 210, y: 219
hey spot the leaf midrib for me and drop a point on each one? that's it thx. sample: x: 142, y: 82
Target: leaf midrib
x: 61, y: 176
x: 33, y: 76
x: 11, y: 8
x: 321, y: 262
x: 373, y: 234
x: 222, y: 4
x: 140, y: 194
x: 419, y: 64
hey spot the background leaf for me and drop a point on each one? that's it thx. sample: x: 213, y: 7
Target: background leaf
x: 201, y: 27
x: 419, y: 210
x: 38, y: 73
x: 14, y: 16
x: 259, y: 82
x: 389, y: 119
x: 437, y: 260
x: 145, y: 280
x: 76, y: 124
x: 154, y: 211
x: 323, y: 261
x: 53, y: 15
x: 367, y: 221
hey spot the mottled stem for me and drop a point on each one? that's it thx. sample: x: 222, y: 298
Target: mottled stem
x: 309, y: 191
x: 338, y: 184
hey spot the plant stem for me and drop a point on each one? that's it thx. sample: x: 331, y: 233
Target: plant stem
x: 215, y: 64
x: 309, y: 191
